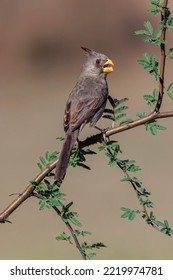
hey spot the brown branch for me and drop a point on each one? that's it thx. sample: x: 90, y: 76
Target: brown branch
x: 163, y: 58
x: 25, y: 194
x: 89, y: 141
x: 98, y: 137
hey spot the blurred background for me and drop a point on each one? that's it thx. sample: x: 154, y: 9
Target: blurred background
x: 40, y: 60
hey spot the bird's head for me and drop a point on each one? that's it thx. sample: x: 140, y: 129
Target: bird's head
x: 96, y: 64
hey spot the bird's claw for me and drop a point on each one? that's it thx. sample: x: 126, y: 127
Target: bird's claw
x: 105, y: 138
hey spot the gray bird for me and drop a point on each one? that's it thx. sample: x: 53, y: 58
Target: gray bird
x: 85, y: 104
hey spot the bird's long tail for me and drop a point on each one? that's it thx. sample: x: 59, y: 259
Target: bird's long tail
x: 62, y: 163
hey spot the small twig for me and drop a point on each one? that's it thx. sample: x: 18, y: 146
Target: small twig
x: 135, y: 189
x: 163, y: 58
x: 138, y: 193
x: 78, y: 246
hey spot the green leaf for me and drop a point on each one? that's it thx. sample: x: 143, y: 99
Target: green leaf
x: 149, y: 218
x: 86, y: 247
x: 126, y: 121
x: 149, y: 98
x: 88, y: 152
x: 81, y: 233
x: 147, y: 31
x: 166, y: 224
x: 133, y: 168
x: 170, y: 91
x: 120, y: 110
x: 98, y: 245
x: 159, y: 223
x: 130, y: 214
x: 140, y: 32
x: 42, y: 204
x: 144, y: 192
x: 148, y: 28
x: 109, y: 117
x: 150, y: 64
x: 41, y: 187
x: 135, y: 180
x: 43, y: 161
x: 101, y: 148
x: 156, y: 7
x: 126, y: 212
x: 169, y: 21
x: 153, y: 127
x: 117, y: 112
x: 121, y: 101
x: 54, y: 202
x: 47, y: 156
x: 52, y: 156
x: 125, y: 209
x: 63, y: 236
x: 60, y: 138
x: 67, y: 207
x: 170, y: 53
x: 109, y: 111
x: 77, y: 157
x: 40, y: 166
x: 73, y: 219
x: 120, y: 116
x: 148, y: 203
x: 155, y: 38
x: 155, y: 93
x: 90, y: 256
x: 111, y: 101
x: 126, y: 179
x: 141, y: 115
x: 83, y: 166
x: 152, y: 99
x: 160, y: 127
x: 34, y: 183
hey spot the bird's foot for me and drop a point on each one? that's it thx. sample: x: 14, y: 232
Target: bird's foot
x: 103, y: 131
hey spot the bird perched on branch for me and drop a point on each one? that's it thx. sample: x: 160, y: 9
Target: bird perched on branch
x: 85, y: 104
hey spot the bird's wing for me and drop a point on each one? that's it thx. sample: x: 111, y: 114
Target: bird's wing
x: 80, y: 111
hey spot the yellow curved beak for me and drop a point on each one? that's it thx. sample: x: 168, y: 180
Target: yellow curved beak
x: 108, y: 66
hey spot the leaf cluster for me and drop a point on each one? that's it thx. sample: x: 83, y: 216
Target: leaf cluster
x: 150, y: 64
x: 78, y: 157
x: 151, y: 36
x: 86, y: 247
x: 47, y: 159
x: 117, y: 112
x: 51, y: 197
x: 156, y: 7
x: 112, y: 150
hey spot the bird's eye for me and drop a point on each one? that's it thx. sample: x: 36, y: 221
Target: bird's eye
x: 98, y: 61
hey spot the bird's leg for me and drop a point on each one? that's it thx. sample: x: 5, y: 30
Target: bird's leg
x: 78, y: 143
x: 103, y: 132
